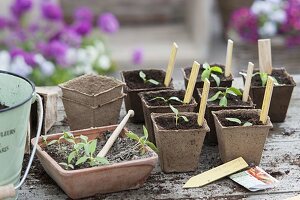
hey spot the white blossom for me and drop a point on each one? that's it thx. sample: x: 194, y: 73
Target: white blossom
x: 5, y: 60
x: 19, y: 66
x: 278, y: 16
x: 262, y: 7
x: 268, y: 29
x: 47, y: 68
x: 104, y: 62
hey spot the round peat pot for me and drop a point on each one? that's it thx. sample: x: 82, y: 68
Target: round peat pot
x: 16, y: 96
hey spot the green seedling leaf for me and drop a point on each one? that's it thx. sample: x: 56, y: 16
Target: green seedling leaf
x: 216, y: 78
x: 175, y: 99
x: 87, y: 149
x: 71, y: 166
x: 275, y: 81
x: 236, y: 120
x: 264, y: 78
x: 184, y: 118
x: 217, y: 69
x: 223, y: 101
x: 84, y: 138
x: 81, y: 160
x: 64, y: 165
x: 145, y: 132
x: 174, y: 109
x: 71, y: 156
x: 155, y: 98
x: 102, y: 160
x: 152, y: 146
x: 205, y: 74
x: 44, y: 138
x: 247, y: 124
x: 206, y: 66
x: 93, y: 145
x: 51, y: 142
x: 142, y: 75
x: 215, y: 96
x: 154, y: 82
x: 70, y: 140
x: 234, y: 91
x: 132, y: 136
x: 243, y: 74
x: 78, y: 146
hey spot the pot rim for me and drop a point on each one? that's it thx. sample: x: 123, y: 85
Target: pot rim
x: 62, y: 171
x: 143, y: 89
x: 141, y: 95
x: 214, y: 113
x: 156, y: 115
x: 119, y: 84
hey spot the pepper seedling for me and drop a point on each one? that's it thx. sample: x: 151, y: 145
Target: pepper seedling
x: 238, y: 121
x: 209, y: 72
x: 142, y: 141
x: 167, y: 100
x: 177, y: 115
x: 223, y: 95
x: 263, y: 77
x: 144, y: 78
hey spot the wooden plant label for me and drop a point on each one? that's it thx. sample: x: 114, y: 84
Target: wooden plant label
x: 216, y: 173
x: 265, y: 55
x: 171, y: 65
x: 267, y: 100
x: 228, y: 64
x: 203, y: 102
x: 248, y: 82
x: 192, y: 81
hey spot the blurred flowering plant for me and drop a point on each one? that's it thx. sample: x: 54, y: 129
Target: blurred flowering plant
x: 267, y: 18
x: 48, y: 50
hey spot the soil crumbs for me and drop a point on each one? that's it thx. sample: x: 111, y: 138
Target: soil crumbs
x: 134, y: 81
x: 2, y: 106
x: 168, y: 123
x: 124, y: 149
x: 245, y: 117
x: 165, y: 94
x: 279, y: 75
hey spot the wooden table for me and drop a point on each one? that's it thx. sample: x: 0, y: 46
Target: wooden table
x: 281, y: 158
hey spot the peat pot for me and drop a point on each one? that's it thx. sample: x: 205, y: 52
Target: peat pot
x: 178, y: 149
x: 241, y: 141
x: 159, y: 106
x: 135, y: 85
x: 110, y: 178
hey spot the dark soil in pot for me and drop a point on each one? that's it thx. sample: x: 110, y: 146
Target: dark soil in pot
x: 122, y: 150
x: 279, y: 105
x: 233, y: 102
x: 135, y: 84
x: 168, y: 123
x: 151, y: 105
x: 245, y: 117
x: 2, y: 106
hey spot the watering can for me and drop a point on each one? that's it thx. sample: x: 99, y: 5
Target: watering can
x: 17, y: 93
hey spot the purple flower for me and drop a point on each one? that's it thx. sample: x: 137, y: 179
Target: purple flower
x: 108, y: 23
x: 71, y: 37
x: 82, y: 27
x: 3, y: 22
x: 138, y: 56
x: 58, y: 50
x: 51, y: 11
x: 19, y: 7
x: 245, y: 23
x: 83, y: 14
x: 27, y: 56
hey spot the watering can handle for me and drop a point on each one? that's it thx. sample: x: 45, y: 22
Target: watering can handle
x: 7, y: 191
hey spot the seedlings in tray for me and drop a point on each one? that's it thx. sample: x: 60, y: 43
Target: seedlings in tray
x: 209, y: 71
x: 142, y: 142
x: 177, y: 115
x: 223, y: 95
x: 143, y: 76
x: 238, y: 121
x: 263, y: 77
x: 45, y: 142
x: 167, y: 100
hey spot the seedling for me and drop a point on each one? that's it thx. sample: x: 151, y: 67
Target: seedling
x: 238, y: 121
x: 167, y: 100
x: 223, y: 95
x: 46, y: 143
x: 263, y: 77
x: 142, y: 141
x: 209, y: 71
x: 143, y: 76
x: 177, y: 115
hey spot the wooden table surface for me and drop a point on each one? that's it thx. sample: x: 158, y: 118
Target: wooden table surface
x: 281, y: 158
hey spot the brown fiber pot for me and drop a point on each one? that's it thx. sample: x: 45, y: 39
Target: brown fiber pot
x: 132, y: 100
x: 102, y: 179
x: 199, y: 84
x: 240, y: 141
x: 281, y: 97
x: 211, y: 137
x: 87, y: 90
x: 178, y: 150
x: 81, y: 116
x: 148, y: 109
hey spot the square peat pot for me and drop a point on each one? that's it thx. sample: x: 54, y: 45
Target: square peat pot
x: 81, y: 116
x: 281, y: 94
x: 178, y: 149
x: 159, y: 106
x: 110, y: 178
x: 241, y: 141
x: 211, y: 137
x: 92, y: 90
x: 225, y: 82
x: 135, y: 85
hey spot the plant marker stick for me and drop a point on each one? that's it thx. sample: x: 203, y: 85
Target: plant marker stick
x: 192, y: 82
x: 248, y: 82
x: 203, y: 102
x: 115, y: 134
x: 228, y: 64
x: 265, y: 55
x: 171, y: 65
x: 267, y: 100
